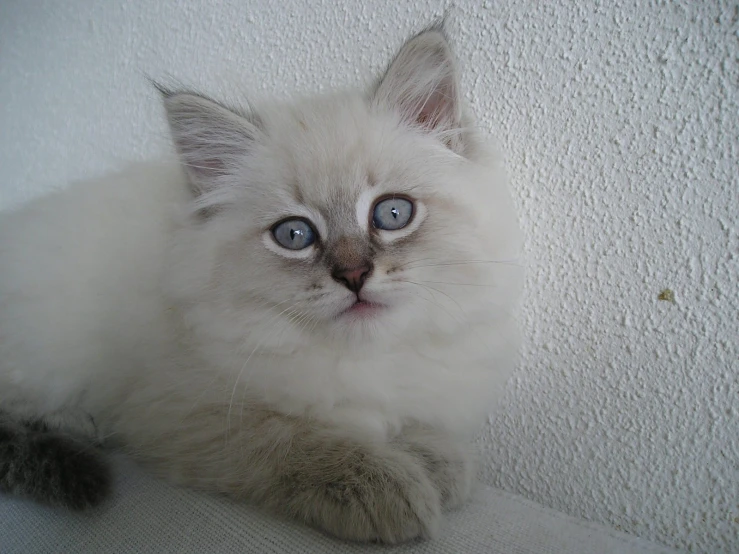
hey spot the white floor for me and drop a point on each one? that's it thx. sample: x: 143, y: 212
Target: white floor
x: 148, y: 516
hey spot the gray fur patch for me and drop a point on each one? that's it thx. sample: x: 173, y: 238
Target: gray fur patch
x: 50, y: 467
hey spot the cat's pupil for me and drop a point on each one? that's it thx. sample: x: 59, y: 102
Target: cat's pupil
x: 294, y: 234
x: 392, y: 214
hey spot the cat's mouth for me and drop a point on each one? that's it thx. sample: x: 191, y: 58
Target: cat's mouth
x: 362, y: 309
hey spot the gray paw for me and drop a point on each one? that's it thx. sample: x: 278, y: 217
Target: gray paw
x: 449, y: 463
x: 51, y: 467
x: 382, y: 495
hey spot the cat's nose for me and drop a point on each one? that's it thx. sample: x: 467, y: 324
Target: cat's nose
x: 353, y: 278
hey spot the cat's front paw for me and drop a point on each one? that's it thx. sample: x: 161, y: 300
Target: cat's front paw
x: 449, y: 463
x: 366, y: 496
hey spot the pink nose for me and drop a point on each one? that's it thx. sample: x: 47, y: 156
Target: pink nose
x: 353, y: 278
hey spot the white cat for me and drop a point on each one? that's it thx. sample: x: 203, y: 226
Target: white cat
x: 312, y: 310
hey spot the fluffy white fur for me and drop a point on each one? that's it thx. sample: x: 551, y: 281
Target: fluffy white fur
x: 138, y: 298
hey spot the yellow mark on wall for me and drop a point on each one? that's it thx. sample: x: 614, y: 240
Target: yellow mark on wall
x: 667, y: 295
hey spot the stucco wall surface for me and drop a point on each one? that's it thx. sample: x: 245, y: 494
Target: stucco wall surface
x: 620, y: 124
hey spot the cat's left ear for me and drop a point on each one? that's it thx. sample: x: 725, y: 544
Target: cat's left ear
x: 210, y: 139
x: 422, y: 85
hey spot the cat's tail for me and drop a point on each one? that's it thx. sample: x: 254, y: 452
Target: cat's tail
x: 51, y: 467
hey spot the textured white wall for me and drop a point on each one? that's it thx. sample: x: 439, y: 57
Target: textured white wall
x: 620, y: 122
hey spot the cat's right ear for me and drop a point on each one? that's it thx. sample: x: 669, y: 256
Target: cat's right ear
x: 210, y: 139
x: 422, y: 86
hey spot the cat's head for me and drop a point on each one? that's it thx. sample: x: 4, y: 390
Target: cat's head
x: 353, y: 215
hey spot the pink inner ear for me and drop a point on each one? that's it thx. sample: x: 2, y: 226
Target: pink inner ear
x: 213, y: 166
x: 435, y: 110
x: 208, y: 167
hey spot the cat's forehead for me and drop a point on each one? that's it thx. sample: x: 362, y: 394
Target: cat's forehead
x: 330, y: 146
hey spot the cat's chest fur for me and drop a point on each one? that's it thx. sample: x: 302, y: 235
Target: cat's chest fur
x: 446, y: 381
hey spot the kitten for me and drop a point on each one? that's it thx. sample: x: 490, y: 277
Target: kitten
x: 310, y: 310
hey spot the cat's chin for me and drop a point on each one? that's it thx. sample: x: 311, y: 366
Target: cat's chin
x: 362, y: 322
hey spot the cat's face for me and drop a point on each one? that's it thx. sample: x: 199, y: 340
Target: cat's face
x: 348, y: 216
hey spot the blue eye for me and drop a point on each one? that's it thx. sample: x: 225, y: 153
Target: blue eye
x: 294, y: 234
x: 392, y: 214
